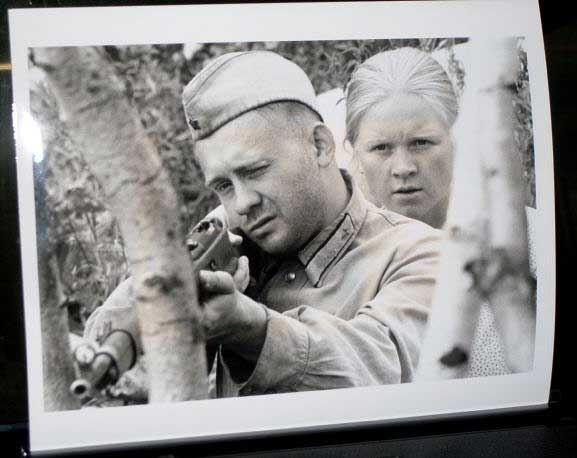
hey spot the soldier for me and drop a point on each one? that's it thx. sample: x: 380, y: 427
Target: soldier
x: 344, y: 295
x: 343, y: 288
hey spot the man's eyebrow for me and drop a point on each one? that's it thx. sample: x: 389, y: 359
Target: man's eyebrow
x: 247, y: 168
x: 240, y: 170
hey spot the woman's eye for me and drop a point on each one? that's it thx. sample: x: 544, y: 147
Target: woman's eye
x: 381, y: 147
x: 422, y: 142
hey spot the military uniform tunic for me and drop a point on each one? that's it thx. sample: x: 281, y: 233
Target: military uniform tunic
x: 349, y: 310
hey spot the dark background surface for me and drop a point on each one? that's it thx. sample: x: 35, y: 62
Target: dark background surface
x: 549, y: 433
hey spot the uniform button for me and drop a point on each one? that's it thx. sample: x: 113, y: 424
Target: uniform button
x: 290, y: 277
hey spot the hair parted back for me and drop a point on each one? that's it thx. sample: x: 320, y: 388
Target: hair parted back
x: 402, y: 70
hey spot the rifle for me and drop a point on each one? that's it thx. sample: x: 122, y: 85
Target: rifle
x: 98, y: 367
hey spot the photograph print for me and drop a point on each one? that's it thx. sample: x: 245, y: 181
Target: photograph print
x: 236, y: 219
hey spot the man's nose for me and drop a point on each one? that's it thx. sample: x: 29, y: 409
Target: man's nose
x: 245, y: 199
x: 404, y: 166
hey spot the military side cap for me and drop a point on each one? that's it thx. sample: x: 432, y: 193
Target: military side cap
x: 238, y: 82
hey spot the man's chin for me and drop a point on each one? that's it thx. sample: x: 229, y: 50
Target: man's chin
x: 273, y: 245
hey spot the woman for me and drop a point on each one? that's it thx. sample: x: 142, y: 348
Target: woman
x: 401, y: 106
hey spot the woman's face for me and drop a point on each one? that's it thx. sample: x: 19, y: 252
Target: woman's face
x: 405, y: 150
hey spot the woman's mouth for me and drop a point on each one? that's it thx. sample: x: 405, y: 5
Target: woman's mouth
x: 407, y: 195
x: 407, y: 190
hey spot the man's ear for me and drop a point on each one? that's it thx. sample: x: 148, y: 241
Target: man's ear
x: 324, y: 144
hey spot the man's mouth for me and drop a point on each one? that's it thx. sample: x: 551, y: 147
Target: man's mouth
x: 257, y: 227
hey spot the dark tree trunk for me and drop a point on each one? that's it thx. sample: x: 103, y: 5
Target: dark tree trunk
x: 57, y: 362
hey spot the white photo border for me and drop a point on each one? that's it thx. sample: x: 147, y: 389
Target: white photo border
x: 116, y: 427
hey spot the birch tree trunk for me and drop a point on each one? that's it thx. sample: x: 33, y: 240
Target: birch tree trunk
x: 507, y: 277
x: 143, y: 200
x: 57, y: 361
x: 485, y: 253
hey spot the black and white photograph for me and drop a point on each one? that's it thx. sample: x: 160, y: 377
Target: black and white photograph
x: 263, y: 221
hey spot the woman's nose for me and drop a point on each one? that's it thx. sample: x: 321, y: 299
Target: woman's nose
x: 403, y: 165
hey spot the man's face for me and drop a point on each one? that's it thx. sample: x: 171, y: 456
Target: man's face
x: 267, y: 178
x: 406, y: 153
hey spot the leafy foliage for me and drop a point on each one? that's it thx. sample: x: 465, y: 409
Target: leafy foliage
x: 88, y: 242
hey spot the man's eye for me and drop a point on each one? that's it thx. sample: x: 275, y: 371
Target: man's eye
x: 257, y: 171
x: 223, y: 187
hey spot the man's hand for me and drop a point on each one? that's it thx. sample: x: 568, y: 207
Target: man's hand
x: 231, y: 318
x: 132, y: 385
x: 241, y: 277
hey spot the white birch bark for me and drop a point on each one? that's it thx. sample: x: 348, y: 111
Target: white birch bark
x: 509, y: 289
x: 485, y: 253
x: 141, y: 197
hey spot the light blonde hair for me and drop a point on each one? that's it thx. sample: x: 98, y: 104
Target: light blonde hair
x: 403, y: 70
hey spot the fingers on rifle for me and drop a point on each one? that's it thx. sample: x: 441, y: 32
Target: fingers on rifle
x: 242, y: 275
x: 133, y: 384
x: 216, y: 282
x: 235, y: 239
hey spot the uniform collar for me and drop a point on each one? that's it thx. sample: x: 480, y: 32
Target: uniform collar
x: 327, y: 247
